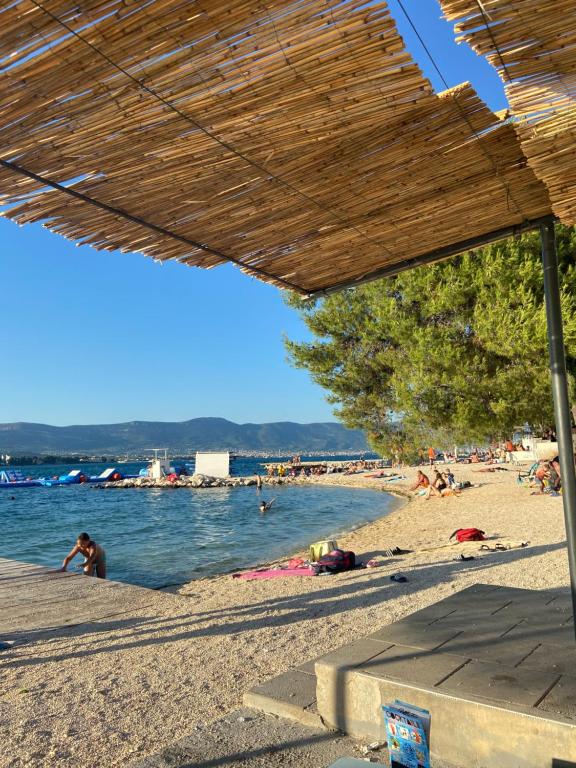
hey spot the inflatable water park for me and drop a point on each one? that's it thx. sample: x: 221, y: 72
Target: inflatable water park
x: 13, y: 478
x: 159, y: 466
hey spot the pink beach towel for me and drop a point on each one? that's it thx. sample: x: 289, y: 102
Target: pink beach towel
x: 275, y: 573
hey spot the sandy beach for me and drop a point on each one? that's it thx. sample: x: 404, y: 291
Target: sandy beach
x: 113, y: 691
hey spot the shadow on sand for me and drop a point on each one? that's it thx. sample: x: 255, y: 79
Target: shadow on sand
x: 345, y: 592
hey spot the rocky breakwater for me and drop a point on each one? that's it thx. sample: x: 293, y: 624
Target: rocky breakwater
x: 195, y: 481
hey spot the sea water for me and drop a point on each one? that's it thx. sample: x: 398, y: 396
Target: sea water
x: 155, y: 537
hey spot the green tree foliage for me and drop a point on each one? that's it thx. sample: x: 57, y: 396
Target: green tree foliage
x: 458, y: 350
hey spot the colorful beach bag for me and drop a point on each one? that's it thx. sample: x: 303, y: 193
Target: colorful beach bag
x: 335, y: 561
x: 321, y: 548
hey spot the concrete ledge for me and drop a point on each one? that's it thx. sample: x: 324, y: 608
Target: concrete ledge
x: 494, y: 666
x: 471, y: 733
x: 291, y: 695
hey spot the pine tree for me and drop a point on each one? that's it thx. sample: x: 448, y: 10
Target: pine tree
x: 455, y: 351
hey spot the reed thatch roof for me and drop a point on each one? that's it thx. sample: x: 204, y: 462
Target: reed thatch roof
x: 295, y: 138
x: 532, y: 44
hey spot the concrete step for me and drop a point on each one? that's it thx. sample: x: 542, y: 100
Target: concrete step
x: 291, y: 695
x: 494, y: 666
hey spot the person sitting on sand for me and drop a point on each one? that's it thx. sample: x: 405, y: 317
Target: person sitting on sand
x: 95, y: 562
x: 266, y: 505
x: 439, y: 482
x: 422, y: 482
x: 437, y: 486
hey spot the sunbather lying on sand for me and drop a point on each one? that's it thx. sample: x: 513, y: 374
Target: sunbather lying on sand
x: 491, y: 469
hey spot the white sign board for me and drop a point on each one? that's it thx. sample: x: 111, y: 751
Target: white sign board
x: 213, y: 464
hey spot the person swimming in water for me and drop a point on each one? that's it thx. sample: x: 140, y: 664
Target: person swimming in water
x: 266, y: 505
x: 95, y: 562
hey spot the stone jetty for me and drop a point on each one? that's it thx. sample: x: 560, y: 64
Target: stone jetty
x: 196, y: 481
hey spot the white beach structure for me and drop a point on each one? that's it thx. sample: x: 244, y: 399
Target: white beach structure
x: 213, y: 464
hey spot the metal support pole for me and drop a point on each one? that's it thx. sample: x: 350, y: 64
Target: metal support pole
x: 560, y: 394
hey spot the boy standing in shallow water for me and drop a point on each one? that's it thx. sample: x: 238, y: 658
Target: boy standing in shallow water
x: 95, y: 562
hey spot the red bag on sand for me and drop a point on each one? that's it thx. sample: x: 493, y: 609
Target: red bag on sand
x: 468, y: 534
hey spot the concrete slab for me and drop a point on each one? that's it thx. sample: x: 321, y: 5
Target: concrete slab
x: 498, y: 682
x: 480, y: 610
x: 308, y: 667
x: 486, y: 646
x: 294, y: 687
x: 291, y: 695
x: 469, y: 732
x: 563, y: 600
x: 356, y: 653
x: 499, y: 693
x: 559, y: 660
x: 34, y: 599
x: 63, y: 614
x: 417, y: 667
x: 539, y: 613
x: 487, y: 625
x: 425, y: 637
x: 432, y: 613
x: 561, y: 700
x: 560, y: 635
x: 472, y: 591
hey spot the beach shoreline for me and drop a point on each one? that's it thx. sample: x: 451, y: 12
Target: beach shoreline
x: 134, y: 683
x: 399, y: 498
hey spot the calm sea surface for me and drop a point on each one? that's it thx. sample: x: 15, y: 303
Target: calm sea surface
x: 156, y: 537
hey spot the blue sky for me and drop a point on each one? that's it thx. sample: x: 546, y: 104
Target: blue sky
x: 91, y: 337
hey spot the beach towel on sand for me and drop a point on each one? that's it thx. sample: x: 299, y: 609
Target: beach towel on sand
x: 274, y: 573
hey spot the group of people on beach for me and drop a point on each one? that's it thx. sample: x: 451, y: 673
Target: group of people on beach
x: 295, y: 468
x: 442, y: 484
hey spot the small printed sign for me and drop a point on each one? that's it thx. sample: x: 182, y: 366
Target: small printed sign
x: 408, y: 735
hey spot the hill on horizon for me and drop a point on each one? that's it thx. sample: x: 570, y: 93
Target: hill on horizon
x: 203, y: 434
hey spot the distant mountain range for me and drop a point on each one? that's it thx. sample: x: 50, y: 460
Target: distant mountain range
x: 207, y: 434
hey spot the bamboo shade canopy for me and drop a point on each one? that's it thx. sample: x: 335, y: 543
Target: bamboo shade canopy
x: 296, y: 138
x: 532, y: 44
